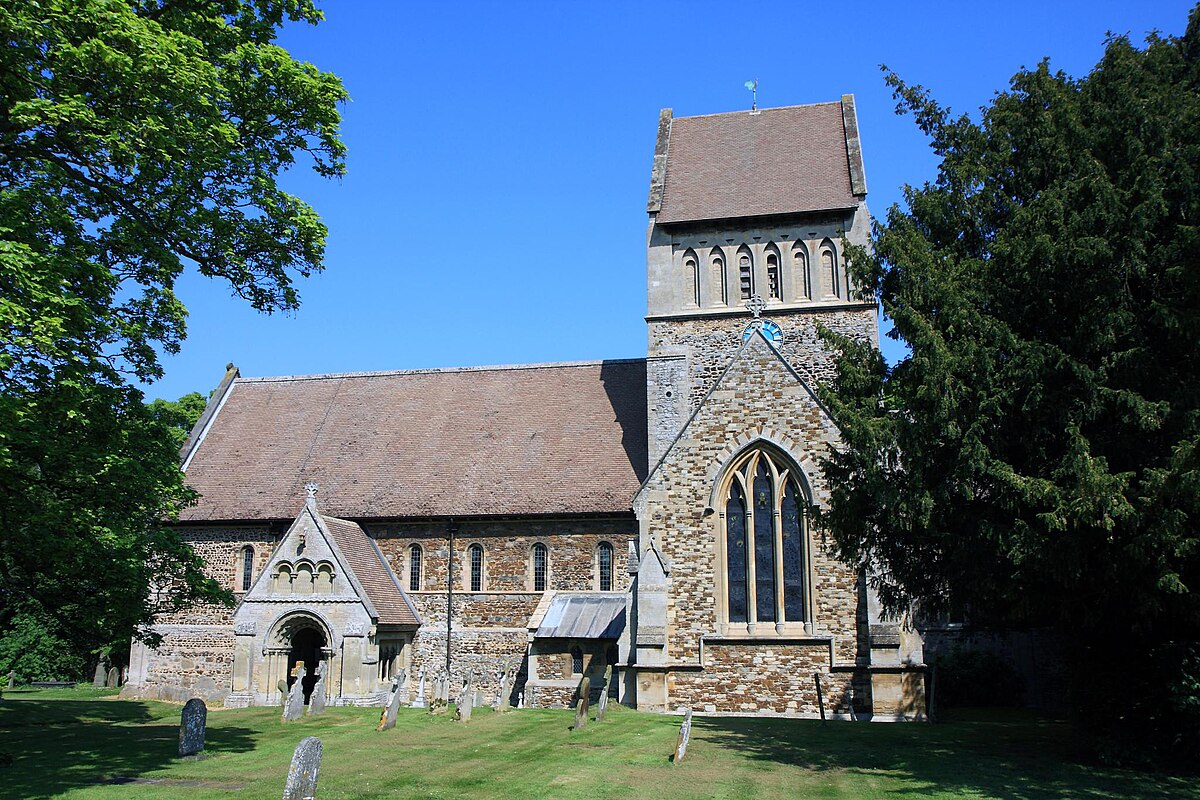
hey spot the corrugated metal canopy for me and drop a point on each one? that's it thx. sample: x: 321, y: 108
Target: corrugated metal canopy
x: 584, y: 616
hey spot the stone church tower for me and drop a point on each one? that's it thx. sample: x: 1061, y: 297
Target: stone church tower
x: 737, y: 600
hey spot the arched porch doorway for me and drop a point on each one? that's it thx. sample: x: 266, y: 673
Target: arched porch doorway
x: 304, y: 639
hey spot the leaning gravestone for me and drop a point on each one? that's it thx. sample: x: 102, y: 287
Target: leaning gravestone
x: 316, y: 701
x: 294, y: 708
x: 192, y: 723
x: 101, y: 677
x: 302, y: 776
x: 685, y: 733
x: 585, y: 700
x: 114, y: 678
x: 387, y: 720
x: 603, y: 705
x: 283, y: 691
x: 419, y: 701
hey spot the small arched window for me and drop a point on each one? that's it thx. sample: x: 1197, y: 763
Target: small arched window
x: 541, y: 562
x: 829, y: 269
x: 604, y: 567
x: 475, y: 553
x: 802, y: 278
x: 247, y: 567
x: 414, y: 568
x: 774, y: 287
x: 691, y: 267
x: 745, y: 274
x: 576, y: 660
x: 720, y: 290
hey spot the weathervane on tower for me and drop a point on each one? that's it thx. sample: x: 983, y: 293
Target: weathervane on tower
x: 752, y: 85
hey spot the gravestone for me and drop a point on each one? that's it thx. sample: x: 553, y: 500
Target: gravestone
x: 462, y: 711
x: 387, y: 719
x: 316, y: 701
x: 12, y: 679
x: 114, y: 678
x: 100, y: 679
x: 420, y: 701
x: 294, y: 708
x: 585, y: 700
x: 685, y: 734
x: 302, y: 775
x: 283, y: 691
x: 521, y: 700
x: 192, y: 724
x: 603, y: 706
x: 505, y: 692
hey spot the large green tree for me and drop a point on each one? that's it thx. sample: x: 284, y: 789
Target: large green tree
x: 138, y: 138
x: 1036, y: 457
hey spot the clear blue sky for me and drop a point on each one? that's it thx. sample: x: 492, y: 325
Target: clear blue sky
x: 494, y: 207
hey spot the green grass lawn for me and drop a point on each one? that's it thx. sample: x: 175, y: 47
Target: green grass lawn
x: 80, y: 744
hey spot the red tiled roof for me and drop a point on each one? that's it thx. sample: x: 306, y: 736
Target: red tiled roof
x: 373, y: 573
x: 776, y: 161
x: 527, y: 440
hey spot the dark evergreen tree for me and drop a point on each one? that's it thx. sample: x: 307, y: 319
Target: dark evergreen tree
x: 1036, y: 456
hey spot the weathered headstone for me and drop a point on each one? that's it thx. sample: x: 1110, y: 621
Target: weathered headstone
x: 12, y: 679
x: 282, y: 686
x: 505, y: 691
x: 685, y: 734
x: 521, y: 700
x: 603, y: 705
x: 302, y: 775
x: 387, y: 719
x: 192, y: 724
x: 316, y: 701
x: 462, y: 710
x: 294, y: 708
x: 420, y: 701
x: 114, y: 678
x: 478, y: 699
x: 585, y: 700
x: 100, y: 679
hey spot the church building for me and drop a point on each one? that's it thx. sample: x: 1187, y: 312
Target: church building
x: 547, y: 521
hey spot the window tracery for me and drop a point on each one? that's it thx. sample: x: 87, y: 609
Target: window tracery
x: 765, y: 542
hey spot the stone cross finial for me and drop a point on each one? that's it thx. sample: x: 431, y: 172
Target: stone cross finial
x: 756, y: 305
x: 311, y: 488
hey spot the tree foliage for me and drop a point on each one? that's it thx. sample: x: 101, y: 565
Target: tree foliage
x: 179, y: 415
x: 1036, y: 458
x: 137, y: 138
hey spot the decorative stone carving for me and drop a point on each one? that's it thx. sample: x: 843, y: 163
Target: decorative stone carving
x: 246, y: 627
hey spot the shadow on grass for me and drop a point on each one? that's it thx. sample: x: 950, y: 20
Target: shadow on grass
x: 57, y: 745
x: 1026, y: 759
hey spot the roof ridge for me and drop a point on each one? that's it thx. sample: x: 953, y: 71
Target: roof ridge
x: 440, y: 370
x: 763, y: 110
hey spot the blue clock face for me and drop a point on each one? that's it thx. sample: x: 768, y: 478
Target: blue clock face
x: 771, y: 331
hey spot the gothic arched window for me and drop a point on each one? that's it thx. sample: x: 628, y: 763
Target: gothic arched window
x: 774, y: 287
x: 604, y: 567
x: 414, y: 568
x: 720, y: 286
x: 541, y: 563
x: 802, y: 278
x: 475, y: 554
x: 745, y: 274
x: 829, y: 269
x: 765, y: 542
x: 247, y: 567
